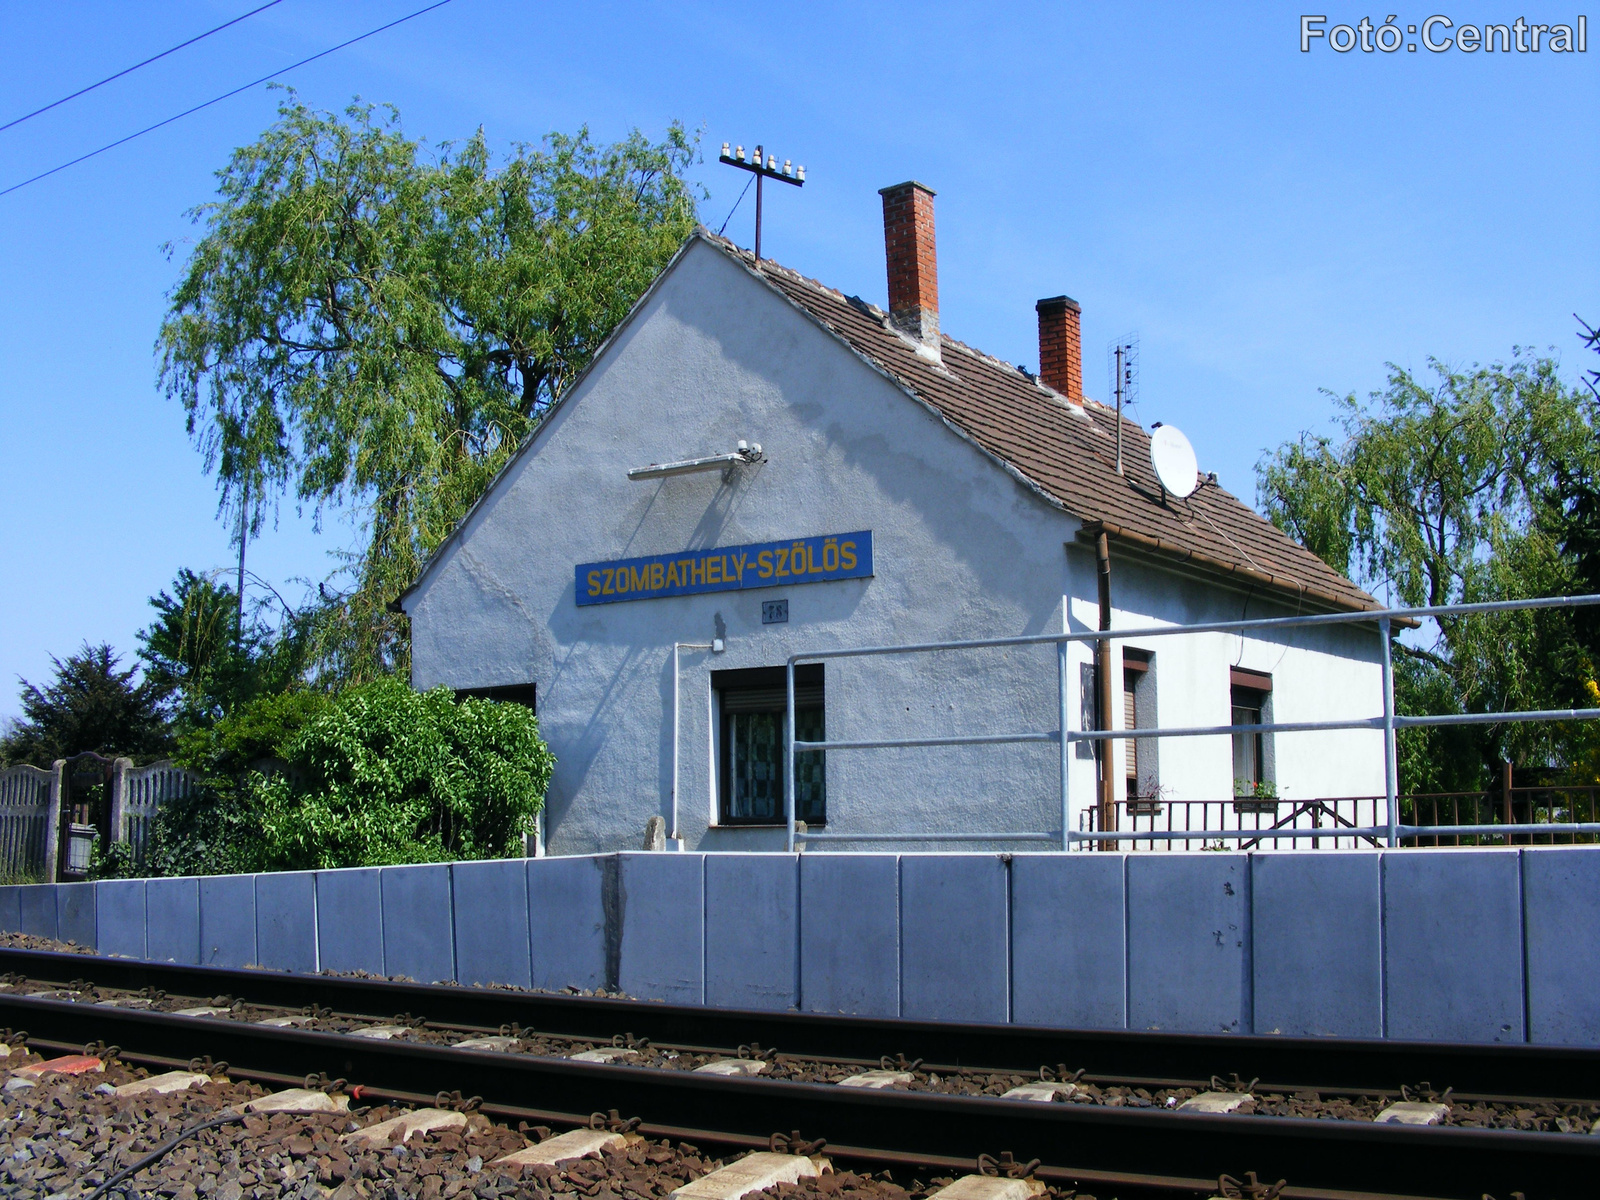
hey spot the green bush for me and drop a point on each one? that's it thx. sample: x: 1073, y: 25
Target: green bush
x: 389, y: 775
x: 216, y: 830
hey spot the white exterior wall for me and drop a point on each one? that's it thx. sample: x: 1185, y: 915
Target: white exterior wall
x: 962, y: 549
x: 1318, y: 674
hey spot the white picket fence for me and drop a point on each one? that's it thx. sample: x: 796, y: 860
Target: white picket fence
x: 31, y: 818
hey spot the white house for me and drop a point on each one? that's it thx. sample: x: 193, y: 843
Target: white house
x: 906, y: 489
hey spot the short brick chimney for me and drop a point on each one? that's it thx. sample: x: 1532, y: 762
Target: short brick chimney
x: 913, y: 265
x: 1061, y: 347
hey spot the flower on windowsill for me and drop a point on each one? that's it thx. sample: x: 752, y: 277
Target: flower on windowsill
x: 1261, y: 789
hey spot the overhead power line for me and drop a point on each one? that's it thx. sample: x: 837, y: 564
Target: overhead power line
x: 136, y: 66
x: 122, y: 141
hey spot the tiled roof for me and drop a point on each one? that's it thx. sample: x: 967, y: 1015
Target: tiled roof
x: 1069, y: 456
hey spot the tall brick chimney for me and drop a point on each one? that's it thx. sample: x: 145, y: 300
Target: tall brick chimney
x: 913, y: 265
x: 1061, y: 346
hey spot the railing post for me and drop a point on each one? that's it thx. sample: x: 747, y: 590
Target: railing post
x: 788, y: 759
x: 677, y: 737
x: 1066, y: 747
x: 1390, y: 766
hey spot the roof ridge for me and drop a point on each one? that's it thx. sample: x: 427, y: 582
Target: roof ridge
x: 1027, y: 428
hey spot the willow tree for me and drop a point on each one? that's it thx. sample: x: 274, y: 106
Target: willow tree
x: 1447, y: 491
x: 373, y: 325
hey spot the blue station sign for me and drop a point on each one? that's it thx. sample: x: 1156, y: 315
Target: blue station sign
x: 727, y: 569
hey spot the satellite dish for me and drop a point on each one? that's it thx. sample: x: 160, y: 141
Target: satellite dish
x: 1173, y: 459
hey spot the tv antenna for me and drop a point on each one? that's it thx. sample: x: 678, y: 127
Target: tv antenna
x: 1122, y: 359
x: 762, y: 166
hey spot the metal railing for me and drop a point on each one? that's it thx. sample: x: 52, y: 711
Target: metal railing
x: 1252, y: 822
x: 1389, y: 722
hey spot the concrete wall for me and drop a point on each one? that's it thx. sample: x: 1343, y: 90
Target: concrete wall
x: 962, y: 550
x: 1456, y: 945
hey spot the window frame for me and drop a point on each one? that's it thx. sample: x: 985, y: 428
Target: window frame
x: 1142, y: 755
x: 1252, y: 692
x: 757, y: 684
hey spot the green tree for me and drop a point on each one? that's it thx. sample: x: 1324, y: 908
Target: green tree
x: 216, y: 828
x: 91, y: 705
x: 1442, y: 492
x: 1590, y: 337
x: 371, y: 324
x: 202, y: 662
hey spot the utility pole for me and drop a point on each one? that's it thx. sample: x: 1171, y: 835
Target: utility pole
x: 244, y: 533
x: 762, y: 166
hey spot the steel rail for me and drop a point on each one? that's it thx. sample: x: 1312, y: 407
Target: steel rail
x: 1317, y: 1155
x: 1283, y: 1063
x: 1131, y: 1185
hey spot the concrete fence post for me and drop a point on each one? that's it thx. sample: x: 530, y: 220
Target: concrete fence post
x: 119, y: 799
x: 52, y: 827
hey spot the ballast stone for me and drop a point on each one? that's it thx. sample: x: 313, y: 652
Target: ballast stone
x: 1412, y: 1112
x: 299, y: 1100
x: 1215, y: 1102
x: 876, y: 1079
x: 1040, y: 1093
x: 754, y: 1173
x: 989, y: 1187
x: 161, y: 1085
x: 734, y: 1066
x: 565, y: 1147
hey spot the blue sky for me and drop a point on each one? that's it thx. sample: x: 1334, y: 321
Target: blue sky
x: 1270, y: 223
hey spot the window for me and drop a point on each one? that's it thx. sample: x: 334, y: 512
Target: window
x: 1251, y: 693
x: 1138, y: 712
x: 754, y: 737
x: 525, y: 694
x: 1088, y: 710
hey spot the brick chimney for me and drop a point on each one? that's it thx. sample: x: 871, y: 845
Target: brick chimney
x: 913, y: 265
x: 1061, y: 347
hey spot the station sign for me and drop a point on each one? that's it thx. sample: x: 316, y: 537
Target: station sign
x: 726, y: 569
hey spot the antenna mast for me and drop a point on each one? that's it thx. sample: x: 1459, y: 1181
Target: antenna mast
x: 1124, y: 379
x: 762, y: 166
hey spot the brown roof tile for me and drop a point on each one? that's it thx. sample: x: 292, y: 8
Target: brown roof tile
x: 1068, y: 457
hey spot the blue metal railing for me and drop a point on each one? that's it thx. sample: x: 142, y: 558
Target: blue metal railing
x: 1064, y: 838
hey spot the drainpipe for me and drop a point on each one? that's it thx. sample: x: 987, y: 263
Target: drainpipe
x: 1102, y: 651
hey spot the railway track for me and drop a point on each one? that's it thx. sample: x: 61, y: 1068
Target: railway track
x: 1128, y: 1149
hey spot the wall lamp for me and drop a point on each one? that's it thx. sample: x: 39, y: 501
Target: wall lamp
x: 746, y: 455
